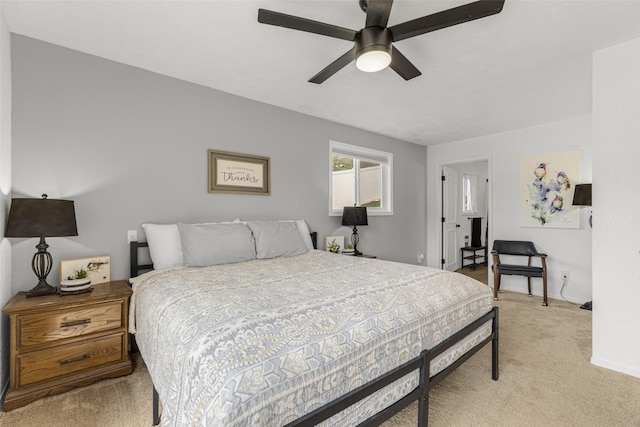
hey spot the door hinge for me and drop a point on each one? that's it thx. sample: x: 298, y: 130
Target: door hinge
x: 443, y: 261
x: 443, y: 220
x: 444, y: 178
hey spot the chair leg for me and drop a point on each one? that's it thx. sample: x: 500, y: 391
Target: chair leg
x: 544, y: 290
x: 496, y: 285
x: 529, y: 285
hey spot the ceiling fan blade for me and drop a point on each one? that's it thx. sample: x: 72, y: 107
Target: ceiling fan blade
x: 334, y: 67
x: 446, y: 18
x: 303, y: 24
x: 378, y: 12
x: 401, y: 65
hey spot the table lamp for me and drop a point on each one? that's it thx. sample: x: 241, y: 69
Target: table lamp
x: 582, y: 197
x: 354, y: 215
x: 41, y: 218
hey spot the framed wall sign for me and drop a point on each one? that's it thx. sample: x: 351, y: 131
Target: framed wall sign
x: 238, y: 173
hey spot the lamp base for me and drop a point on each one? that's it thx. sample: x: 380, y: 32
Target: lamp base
x: 41, y: 265
x: 587, y: 305
x: 354, y: 241
x: 41, y: 289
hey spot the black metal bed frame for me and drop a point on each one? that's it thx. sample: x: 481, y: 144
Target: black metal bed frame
x: 421, y: 363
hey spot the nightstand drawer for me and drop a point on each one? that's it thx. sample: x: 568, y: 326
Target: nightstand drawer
x: 41, y: 328
x: 46, y: 364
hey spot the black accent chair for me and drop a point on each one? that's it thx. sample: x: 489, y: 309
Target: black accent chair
x: 518, y: 248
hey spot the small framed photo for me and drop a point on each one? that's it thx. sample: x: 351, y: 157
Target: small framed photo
x: 334, y: 244
x: 97, y: 269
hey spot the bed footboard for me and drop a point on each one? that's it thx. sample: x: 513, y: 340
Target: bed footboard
x: 156, y: 408
x: 420, y: 393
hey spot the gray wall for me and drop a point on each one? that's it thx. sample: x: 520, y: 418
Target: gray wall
x: 130, y: 146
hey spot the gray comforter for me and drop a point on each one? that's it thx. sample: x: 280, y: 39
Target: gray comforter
x: 263, y: 342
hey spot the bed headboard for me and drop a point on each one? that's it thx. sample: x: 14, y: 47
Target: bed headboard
x: 136, y: 268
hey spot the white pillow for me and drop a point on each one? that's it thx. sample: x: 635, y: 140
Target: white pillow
x: 165, y: 247
x: 277, y: 238
x: 306, y: 235
x: 213, y: 244
x: 302, y: 227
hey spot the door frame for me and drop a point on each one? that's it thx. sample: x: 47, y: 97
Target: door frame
x: 439, y: 171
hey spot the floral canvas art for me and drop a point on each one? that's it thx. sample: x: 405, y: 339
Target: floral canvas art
x: 547, y: 184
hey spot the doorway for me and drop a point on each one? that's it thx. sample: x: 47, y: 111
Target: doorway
x: 465, y: 211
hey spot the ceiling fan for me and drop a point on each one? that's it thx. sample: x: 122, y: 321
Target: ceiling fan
x: 373, y: 49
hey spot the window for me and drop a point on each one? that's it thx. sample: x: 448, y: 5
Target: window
x: 361, y: 177
x: 469, y: 190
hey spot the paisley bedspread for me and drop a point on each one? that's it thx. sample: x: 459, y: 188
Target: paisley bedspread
x: 263, y: 342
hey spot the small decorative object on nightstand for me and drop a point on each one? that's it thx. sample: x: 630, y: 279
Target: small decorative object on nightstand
x: 334, y: 244
x: 60, y: 343
x: 41, y: 218
x: 79, y: 275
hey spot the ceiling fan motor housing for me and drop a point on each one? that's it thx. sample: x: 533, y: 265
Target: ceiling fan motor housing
x: 373, y: 38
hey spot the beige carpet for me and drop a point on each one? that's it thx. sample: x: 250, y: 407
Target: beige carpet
x: 545, y: 380
x: 481, y: 273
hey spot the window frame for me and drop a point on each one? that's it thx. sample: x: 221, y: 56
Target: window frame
x: 385, y: 160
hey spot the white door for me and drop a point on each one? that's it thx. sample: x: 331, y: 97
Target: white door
x: 450, y: 227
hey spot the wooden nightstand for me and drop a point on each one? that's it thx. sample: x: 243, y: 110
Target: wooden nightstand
x: 61, y: 342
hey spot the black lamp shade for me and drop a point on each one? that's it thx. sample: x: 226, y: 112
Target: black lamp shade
x: 354, y: 215
x: 41, y: 218
x: 582, y: 195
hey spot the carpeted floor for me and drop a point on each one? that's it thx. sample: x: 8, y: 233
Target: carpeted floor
x: 481, y: 273
x: 545, y: 380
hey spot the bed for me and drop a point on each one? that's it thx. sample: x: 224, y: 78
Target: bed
x: 299, y: 336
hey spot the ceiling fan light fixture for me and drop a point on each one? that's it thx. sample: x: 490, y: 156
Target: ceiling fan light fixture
x: 373, y: 49
x: 373, y: 60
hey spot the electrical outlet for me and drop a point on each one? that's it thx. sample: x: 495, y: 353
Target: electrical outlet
x: 132, y: 236
x: 565, y: 275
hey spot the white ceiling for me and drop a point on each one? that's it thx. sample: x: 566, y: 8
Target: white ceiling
x: 528, y: 65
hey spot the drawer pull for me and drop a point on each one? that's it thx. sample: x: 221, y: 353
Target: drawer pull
x: 77, y: 359
x: 76, y: 323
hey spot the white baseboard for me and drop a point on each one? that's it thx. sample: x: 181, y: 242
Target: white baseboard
x: 634, y: 371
